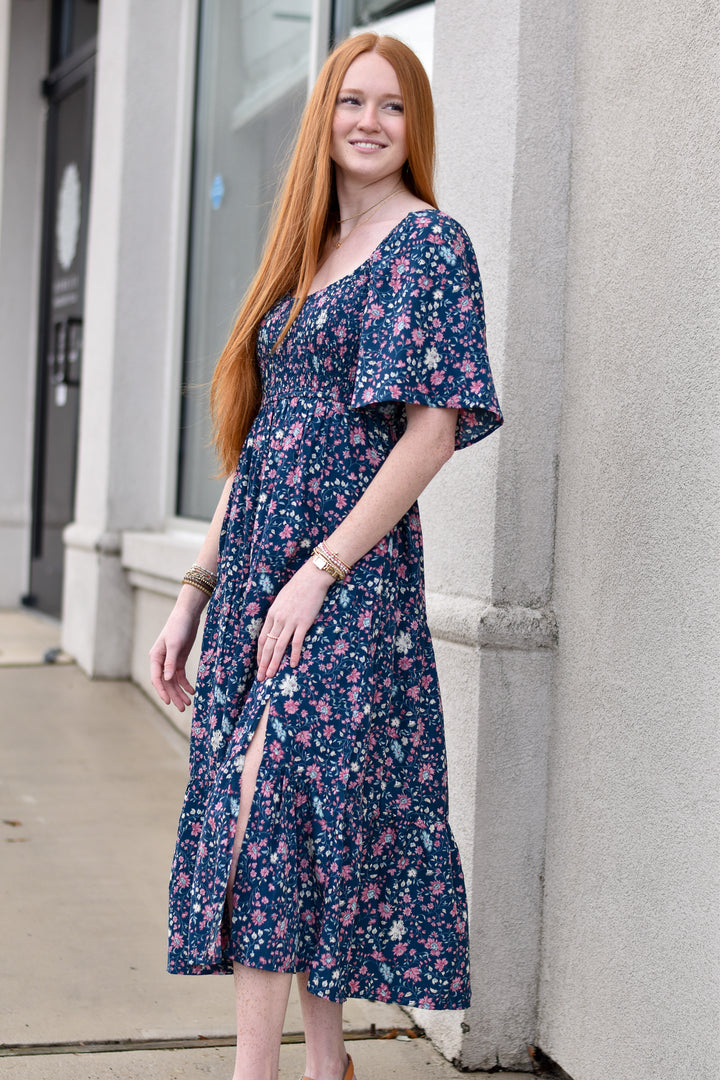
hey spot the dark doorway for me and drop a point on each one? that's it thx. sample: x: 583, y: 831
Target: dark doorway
x: 69, y: 91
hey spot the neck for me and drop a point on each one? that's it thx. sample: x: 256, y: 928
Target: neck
x: 355, y: 198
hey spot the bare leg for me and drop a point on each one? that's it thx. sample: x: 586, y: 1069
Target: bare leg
x: 260, y: 996
x: 253, y: 757
x: 260, y: 1001
x: 325, y: 1057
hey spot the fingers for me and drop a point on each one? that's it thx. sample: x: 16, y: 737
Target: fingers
x: 179, y: 695
x: 170, y: 682
x: 272, y: 643
x: 176, y: 685
x: 156, y: 678
x: 184, y: 682
x: 289, y: 618
x: 297, y: 644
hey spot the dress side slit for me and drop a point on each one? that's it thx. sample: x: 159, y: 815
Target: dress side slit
x: 253, y: 761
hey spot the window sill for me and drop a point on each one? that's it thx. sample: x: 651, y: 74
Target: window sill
x: 156, y: 561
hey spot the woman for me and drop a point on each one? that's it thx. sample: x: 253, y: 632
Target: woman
x: 314, y: 836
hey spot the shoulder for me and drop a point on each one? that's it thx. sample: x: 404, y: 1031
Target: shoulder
x: 428, y: 242
x: 432, y: 228
x: 433, y: 225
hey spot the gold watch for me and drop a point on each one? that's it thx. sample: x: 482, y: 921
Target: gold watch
x: 324, y: 564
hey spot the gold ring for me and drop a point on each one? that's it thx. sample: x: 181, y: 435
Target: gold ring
x: 274, y: 637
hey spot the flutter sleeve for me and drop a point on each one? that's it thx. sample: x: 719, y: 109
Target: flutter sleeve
x: 423, y: 336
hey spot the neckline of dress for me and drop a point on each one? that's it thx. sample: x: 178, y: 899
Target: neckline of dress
x: 386, y: 237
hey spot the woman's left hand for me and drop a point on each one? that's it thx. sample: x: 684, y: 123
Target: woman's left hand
x: 290, y: 616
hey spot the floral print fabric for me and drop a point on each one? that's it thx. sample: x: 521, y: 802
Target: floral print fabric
x: 348, y: 868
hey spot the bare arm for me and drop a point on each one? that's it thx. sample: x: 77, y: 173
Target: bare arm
x: 208, y: 554
x: 170, y: 652
x: 427, y: 443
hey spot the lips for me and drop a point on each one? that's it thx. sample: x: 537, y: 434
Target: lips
x: 366, y: 144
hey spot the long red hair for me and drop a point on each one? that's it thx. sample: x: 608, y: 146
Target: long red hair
x: 305, y: 213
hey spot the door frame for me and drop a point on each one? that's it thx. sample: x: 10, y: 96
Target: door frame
x: 62, y: 80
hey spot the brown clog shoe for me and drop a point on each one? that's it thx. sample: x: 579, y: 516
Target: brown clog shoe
x: 349, y: 1072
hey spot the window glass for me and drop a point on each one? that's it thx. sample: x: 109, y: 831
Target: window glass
x: 73, y: 23
x: 349, y: 15
x: 253, y: 63
x: 367, y: 11
x: 85, y: 22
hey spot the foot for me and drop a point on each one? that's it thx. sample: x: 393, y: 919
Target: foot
x: 348, y: 1075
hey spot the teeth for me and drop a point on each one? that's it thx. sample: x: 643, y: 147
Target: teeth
x: 369, y: 145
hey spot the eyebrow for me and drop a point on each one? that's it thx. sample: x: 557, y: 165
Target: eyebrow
x: 351, y: 90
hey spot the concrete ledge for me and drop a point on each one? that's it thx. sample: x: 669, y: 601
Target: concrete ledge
x: 161, y: 556
x: 154, y: 584
x: 467, y: 621
x: 84, y: 538
x: 158, y: 560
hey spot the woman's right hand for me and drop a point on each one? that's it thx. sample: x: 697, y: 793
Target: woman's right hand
x: 172, y: 648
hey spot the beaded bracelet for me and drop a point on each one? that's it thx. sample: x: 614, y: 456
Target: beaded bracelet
x: 207, y: 575
x: 327, y: 560
x: 334, y: 558
x: 201, y: 579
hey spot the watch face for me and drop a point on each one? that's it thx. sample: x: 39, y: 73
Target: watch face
x: 324, y: 564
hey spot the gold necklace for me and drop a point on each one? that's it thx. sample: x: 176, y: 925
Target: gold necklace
x: 372, y: 206
x: 374, y: 209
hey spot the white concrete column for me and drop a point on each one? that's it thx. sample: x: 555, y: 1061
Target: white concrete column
x: 503, y: 86
x: 133, y: 324
x: 23, y: 61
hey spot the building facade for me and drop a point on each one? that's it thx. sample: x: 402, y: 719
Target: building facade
x: 573, y: 605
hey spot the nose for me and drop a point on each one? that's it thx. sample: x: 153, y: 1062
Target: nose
x: 368, y: 119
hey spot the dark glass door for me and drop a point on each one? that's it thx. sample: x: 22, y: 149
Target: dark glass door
x: 67, y: 187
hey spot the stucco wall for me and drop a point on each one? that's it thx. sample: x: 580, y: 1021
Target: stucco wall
x: 629, y: 983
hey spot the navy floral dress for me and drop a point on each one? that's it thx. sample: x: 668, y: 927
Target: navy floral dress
x: 348, y: 868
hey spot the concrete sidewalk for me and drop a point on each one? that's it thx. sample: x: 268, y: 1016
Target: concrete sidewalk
x: 91, y: 781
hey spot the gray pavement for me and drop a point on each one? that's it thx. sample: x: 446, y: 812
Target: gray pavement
x: 91, y: 780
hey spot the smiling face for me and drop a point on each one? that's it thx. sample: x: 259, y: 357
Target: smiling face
x: 368, y: 133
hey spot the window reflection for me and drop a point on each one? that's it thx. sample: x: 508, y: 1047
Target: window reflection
x: 349, y: 15
x: 74, y: 22
x: 252, y: 86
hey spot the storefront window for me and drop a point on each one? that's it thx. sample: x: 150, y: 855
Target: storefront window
x: 253, y: 65
x: 252, y: 85
x: 359, y: 14
x: 73, y: 24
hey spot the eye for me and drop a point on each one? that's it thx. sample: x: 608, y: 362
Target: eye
x: 348, y: 99
x: 395, y: 106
